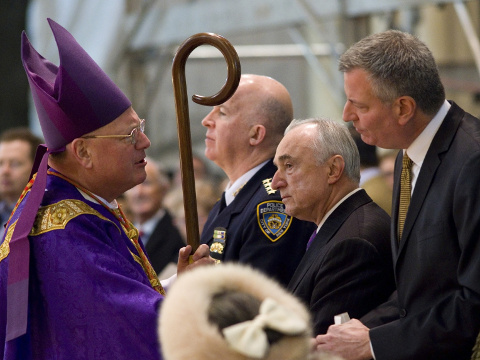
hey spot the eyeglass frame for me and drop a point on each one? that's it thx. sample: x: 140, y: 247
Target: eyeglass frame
x: 132, y: 134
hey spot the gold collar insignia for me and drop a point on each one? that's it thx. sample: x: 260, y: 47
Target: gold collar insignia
x: 268, y: 186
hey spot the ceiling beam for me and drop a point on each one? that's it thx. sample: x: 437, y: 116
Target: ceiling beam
x: 170, y: 24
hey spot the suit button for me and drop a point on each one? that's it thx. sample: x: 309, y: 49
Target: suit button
x: 402, y: 313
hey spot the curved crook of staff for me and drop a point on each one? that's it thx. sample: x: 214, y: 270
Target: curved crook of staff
x: 183, y: 120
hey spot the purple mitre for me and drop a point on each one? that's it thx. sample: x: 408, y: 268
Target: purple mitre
x: 74, y: 98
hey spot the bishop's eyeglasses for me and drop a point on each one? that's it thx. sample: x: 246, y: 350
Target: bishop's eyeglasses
x: 132, y: 136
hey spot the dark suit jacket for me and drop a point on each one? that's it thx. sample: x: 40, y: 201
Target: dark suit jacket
x: 249, y: 240
x: 348, y: 266
x: 437, y: 263
x: 163, y: 245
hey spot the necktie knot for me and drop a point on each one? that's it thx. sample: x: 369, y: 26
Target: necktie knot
x: 407, y: 163
x: 223, y: 202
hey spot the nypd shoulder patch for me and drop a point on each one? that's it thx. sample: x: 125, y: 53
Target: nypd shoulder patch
x: 272, y: 219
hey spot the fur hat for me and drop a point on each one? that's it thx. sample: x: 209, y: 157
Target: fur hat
x: 186, y: 333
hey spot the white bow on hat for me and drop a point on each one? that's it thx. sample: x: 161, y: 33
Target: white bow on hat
x: 249, y: 337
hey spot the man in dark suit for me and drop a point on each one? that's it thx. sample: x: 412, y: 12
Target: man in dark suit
x: 395, y: 99
x: 242, y: 135
x: 160, y: 236
x: 348, y: 264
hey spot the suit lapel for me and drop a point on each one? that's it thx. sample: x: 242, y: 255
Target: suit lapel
x: 440, y: 144
x: 328, y: 230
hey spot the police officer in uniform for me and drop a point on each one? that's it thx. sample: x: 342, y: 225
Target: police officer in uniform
x: 249, y: 224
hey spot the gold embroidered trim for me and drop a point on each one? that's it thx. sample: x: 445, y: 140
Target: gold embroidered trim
x: 235, y: 193
x: 136, y: 258
x: 56, y: 216
x: 154, y: 282
x: 5, y: 246
x: 144, y: 262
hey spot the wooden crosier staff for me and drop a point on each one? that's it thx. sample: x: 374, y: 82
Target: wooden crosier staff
x: 183, y: 120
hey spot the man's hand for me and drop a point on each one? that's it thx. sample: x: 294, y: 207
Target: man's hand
x: 199, y: 258
x: 350, y: 341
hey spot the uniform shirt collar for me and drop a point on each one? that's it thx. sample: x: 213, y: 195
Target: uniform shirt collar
x: 232, y: 189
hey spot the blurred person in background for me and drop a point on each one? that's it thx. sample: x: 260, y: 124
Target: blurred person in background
x: 159, y: 235
x: 200, y: 170
x: 207, y: 195
x: 371, y: 177
x: 386, y: 163
x: 17, y: 153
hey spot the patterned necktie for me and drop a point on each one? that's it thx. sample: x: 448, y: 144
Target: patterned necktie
x: 405, y: 193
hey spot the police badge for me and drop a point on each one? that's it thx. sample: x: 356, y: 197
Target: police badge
x: 272, y: 219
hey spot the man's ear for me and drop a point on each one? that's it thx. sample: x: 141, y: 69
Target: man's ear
x: 336, y: 165
x: 81, y: 152
x: 256, y: 134
x: 404, y: 107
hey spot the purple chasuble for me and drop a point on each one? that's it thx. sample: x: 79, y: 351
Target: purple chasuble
x: 88, y: 297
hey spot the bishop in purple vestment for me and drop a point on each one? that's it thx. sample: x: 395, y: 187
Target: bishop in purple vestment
x: 89, y: 296
x: 75, y: 282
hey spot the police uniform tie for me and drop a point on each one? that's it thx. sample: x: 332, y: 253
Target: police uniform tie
x: 405, y: 192
x: 223, y: 203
